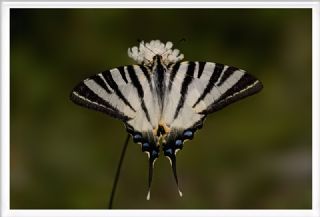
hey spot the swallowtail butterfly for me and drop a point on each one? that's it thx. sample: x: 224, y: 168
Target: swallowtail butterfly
x: 161, y: 100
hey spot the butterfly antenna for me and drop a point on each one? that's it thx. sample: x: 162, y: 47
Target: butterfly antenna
x: 165, y: 51
x: 174, y: 170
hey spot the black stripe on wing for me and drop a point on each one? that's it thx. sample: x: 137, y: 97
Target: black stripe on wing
x: 147, y: 75
x: 136, y: 83
x: 184, y: 87
x: 213, y: 79
x: 226, y: 74
x: 108, y: 77
x: 123, y: 74
x: 101, y: 82
x: 84, y: 96
x: 201, y: 68
x: 246, y: 86
x: 173, y: 73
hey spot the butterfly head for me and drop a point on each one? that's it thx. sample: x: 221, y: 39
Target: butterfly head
x: 148, y: 53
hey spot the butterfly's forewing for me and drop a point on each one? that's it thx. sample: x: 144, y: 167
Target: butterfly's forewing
x: 196, y: 89
x: 200, y: 88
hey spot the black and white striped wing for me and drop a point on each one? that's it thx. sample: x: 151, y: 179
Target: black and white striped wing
x: 124, y: 93
x: 196, y: 89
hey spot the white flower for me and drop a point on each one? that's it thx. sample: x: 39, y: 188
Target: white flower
x: 146, y: 51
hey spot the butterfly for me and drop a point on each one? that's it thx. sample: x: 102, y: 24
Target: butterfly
x: 163, y: 100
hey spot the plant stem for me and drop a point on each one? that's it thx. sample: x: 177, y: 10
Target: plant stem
x: 115, y: 182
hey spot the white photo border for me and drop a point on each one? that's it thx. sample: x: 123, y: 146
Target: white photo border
x: 5, y: 210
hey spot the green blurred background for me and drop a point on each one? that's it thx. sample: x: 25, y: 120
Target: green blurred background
x: 255, y: 154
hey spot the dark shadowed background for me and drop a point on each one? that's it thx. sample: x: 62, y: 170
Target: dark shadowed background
x: 254, y: 154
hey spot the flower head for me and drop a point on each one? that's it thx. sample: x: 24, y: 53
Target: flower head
x: 146, y: 52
